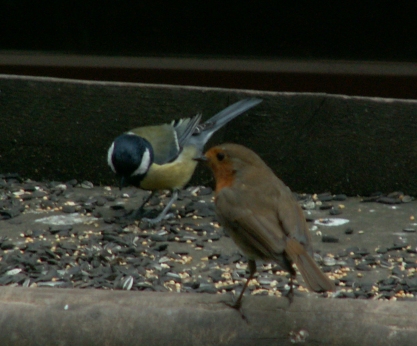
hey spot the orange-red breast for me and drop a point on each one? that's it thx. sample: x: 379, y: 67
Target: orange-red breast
x: 261, y: 215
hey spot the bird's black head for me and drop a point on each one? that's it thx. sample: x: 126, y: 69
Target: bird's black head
x: 130, y: 157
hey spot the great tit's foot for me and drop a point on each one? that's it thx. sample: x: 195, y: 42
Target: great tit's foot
x: 138, y: 214
x: 158, y: 219
x: 164, y: 213
x: 123, y: 216
x: 169, y: 216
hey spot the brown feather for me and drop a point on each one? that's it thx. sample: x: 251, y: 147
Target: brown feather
x: 261, y: 214
x: 311, y: 273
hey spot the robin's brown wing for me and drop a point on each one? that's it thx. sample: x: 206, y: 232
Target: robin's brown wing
x: 266, y: 204
x: 291, y: 215
x: 253, y: 226
x: 271, y: 193
x: 277, y: 196
x: 258, y: 231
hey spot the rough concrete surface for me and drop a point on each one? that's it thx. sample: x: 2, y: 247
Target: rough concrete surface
x: 45, y: 316
x: 58, y: 317
x: 374, y: 226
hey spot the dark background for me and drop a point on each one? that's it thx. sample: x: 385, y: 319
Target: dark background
x: 378, y: 37
x: 367, y: 30
x: 52, y: 128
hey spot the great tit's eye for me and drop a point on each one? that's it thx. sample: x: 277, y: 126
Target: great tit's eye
x: 220, y: 156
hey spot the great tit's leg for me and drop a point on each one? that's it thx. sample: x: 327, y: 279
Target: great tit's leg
x: 163, y: 215
x: 238, y: 303
x: 139, y: 212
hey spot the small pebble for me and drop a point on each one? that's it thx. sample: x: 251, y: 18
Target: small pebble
x: 329, y: 261
x: 406, y: 199
x: 204, y: 191
x: 68, y: 209
x: 87, y: 185
x: 101, y: 201
x: 349, y: 231
x: 382, y: 250
x: 325, y: 197
x: 310, y: 205
x: 335, y: 211
x: 29, y: 187
x: 7, y: 245
x: 325, y: 206
x: 340, y: 197
x: 363, y: 267
x: 389, y: 200
x: 329, y: 239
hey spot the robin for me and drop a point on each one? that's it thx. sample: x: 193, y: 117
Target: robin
x: 261, y: 215
x: 160, y: 157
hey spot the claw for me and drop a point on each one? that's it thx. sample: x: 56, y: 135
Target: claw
x: 290, y: 294
x: 237, y: 305
x: 158, y: 219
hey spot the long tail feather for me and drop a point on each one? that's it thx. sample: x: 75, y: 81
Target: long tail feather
x: 311, y: 273
x: 205, y: 131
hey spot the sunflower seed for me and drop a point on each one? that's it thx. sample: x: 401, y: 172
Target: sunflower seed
x: 13, y: 271
x: 127, y: 283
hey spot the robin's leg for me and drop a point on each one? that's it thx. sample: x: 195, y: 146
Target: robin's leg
x: 290, y: 294
x: 293, y: 273
x: 238, y: 303
x: 286, y: 264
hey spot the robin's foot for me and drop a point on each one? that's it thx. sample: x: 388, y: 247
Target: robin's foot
x: 290, y: 297
x: 290, y: 294
x: 237, y: 305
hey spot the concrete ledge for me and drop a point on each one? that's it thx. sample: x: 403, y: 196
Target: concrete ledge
x: 31, y: 316
x: 61, y: 129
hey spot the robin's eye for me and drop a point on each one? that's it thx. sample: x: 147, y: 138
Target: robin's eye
x: 220, y: 156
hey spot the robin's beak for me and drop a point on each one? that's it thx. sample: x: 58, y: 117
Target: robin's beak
x: 121, y: 183
x: 201, y: 158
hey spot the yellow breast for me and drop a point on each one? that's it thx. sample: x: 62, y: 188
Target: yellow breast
x: 173, y: 175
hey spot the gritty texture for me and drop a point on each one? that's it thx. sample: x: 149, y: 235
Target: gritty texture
x: 76, y: 235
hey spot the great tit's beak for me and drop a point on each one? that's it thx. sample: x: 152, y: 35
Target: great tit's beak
x: 121, y: 183
x: 201, y: 158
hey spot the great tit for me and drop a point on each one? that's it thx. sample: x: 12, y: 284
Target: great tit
x: 161, y: 157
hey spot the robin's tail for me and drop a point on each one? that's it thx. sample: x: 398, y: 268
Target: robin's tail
x: 312, y: 275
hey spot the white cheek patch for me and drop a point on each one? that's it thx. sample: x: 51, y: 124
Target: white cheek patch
x: 144, y: 165
x: 109, y: 156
